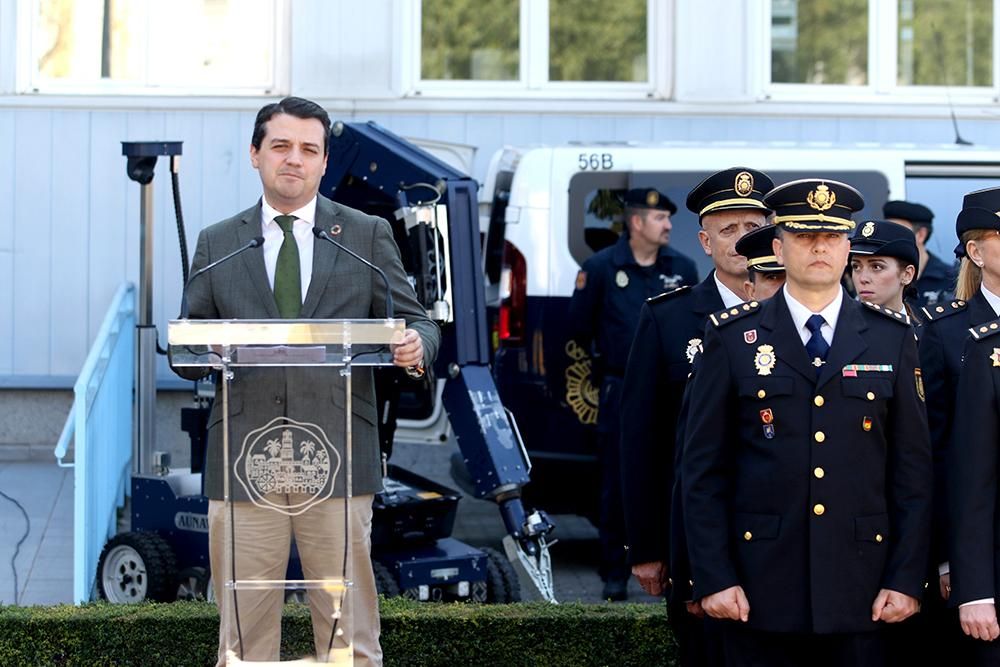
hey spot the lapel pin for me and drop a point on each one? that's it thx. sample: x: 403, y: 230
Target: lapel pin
x: 750, y: 337
x: 335, y: 230
x: 768, y: 431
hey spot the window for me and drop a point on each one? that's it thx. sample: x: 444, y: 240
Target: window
x: 902, y: 47
x: 465, y: 46
x: 131, y: 46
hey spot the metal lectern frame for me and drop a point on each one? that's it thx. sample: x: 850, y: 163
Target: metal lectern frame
x: 226, y: 344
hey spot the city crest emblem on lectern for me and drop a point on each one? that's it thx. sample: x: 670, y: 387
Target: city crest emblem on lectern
x: 287, y: 466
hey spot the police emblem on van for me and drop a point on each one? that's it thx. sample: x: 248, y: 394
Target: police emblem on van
x: 581, y: 394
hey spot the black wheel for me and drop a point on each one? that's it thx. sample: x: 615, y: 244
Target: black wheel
x: 137, y: 566
x: 195, y: 583
x: 385, y: 582
x: 502, y: 584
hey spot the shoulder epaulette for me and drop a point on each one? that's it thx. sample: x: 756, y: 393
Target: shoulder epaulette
x: 944, y: 309
x: 666, y: 295
x: 731, y: 314
x: 985, y: 330
x: 888, y: 312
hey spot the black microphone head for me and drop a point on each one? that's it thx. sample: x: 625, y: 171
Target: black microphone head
x: 318, y: 232
x: 257, y: 242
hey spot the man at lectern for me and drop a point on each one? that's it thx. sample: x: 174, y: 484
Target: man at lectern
x: 295, y: 273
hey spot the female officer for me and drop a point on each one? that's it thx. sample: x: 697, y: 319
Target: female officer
x: 946, y: 327
x: 884, y: 261
x: 973, y: 468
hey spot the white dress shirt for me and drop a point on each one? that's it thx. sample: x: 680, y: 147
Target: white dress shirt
x: 274, y: 237
x: 801, y: 314
x: 729, y: 297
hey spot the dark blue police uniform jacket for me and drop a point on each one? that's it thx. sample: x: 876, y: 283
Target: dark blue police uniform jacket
x: 666, y: 340
x: 936, y: 284
x: 973, y: 470
x: 606, y: 308
x: 810, y: 494
x: 945, y: 330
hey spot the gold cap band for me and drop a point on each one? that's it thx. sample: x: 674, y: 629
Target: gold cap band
x: 796, y: 221
x: 756, y: 261
x: 748, y: 202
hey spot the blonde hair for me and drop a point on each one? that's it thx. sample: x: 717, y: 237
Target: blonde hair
x: 970, y: 276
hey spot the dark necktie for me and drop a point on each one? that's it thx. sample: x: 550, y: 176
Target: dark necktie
x: 816, y: 346
x: 287, y: 276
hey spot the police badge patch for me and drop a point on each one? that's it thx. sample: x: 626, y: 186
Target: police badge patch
x: 621, y: 279
x: 764, y: 360
x: 693, y: 349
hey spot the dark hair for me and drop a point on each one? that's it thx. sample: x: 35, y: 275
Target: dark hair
x: 752, y: 275
x: 293, y: 106
x: 923, y: 225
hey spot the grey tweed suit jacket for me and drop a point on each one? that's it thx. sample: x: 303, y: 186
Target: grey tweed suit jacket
x: 341, y: 287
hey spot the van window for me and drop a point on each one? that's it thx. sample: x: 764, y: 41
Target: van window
x: 592, y: 223
x: 943, y: 195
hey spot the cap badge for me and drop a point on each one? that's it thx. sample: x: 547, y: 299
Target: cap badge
x: 652, y: 198
x: 621, y: 279
x: 743, y: 184
x: 693, y: 349
x: 764, y: 360
x: 822, y: 198
x: 868, y: 229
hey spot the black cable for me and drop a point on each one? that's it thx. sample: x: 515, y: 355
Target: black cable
x: 347, y: 517
x: 17, y: 548
x: 175, y: 186
x: 232, y: 562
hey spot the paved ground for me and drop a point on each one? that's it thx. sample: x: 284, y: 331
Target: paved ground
x: 45, y: 559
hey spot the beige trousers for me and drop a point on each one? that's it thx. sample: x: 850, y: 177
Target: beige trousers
x: 262, y: 541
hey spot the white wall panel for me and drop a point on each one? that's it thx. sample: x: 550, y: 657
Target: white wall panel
x: 69, y: 186
x: 7, y: 129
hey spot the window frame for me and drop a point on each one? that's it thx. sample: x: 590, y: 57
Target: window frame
x: 533, y: 80
x: 883, y: 52
x: 28, y: 82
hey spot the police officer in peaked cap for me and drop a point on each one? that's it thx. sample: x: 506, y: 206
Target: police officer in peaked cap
x: 765, y: 275
x: 807, y: 523
x: 728, y: 204
x: 603, y: 311
x: 935, y: 278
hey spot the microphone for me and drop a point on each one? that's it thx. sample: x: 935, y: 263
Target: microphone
x: 254, y: 243
x: 389, y: 310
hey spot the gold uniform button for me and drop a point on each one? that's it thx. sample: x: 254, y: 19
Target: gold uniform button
x: 818, y: 509
x: 819, y: 472
x: 818, y: 401
x: 748, y: 536
x: 878, y: 538
x: 871, y: 395
x: 819, y: 436
x: 761, y: 393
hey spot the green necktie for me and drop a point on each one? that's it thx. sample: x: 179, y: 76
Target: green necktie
x: 287, y: 276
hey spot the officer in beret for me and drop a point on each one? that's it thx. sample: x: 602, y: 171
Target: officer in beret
x: 668, y: 337
x: 807, y: 521
x: 765, y: 275
x: 945, y: 330
x: 603, y: 311
x: 935, y: 278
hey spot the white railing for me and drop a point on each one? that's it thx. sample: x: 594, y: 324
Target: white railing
x: 100, y: 426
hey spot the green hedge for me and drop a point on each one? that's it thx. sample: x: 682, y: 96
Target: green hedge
x: 186, y: 633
